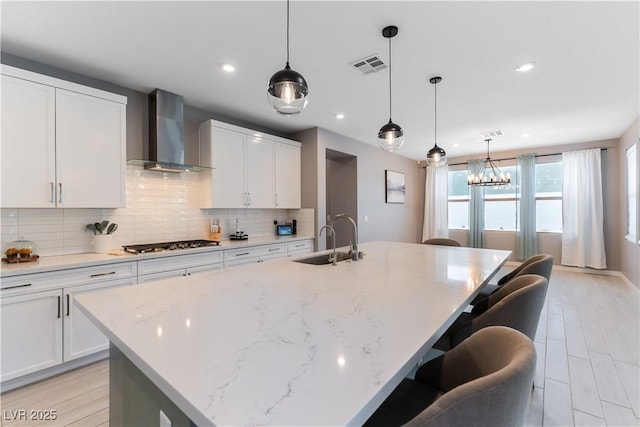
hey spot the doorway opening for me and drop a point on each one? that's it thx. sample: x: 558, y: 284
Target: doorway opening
x: 341, y: 193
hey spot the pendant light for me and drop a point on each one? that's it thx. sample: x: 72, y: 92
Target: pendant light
x: 489, y: 174
x: 390, y: 136
x: 436, y: 156
x: 287, y: 91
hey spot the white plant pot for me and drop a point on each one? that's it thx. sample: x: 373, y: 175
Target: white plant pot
x: 103, y: 243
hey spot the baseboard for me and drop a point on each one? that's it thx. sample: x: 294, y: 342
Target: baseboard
x: 614, y: 273
x: 53, y: 371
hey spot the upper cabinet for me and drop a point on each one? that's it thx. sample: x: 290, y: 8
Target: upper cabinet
x: 250, y: 169
x: 63, y: 144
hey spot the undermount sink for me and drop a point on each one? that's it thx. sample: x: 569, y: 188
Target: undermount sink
x: 324, y: 258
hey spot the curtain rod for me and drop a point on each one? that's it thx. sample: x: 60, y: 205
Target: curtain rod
x: 511, y: 158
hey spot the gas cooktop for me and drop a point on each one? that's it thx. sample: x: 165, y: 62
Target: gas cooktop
x: 168, y: 246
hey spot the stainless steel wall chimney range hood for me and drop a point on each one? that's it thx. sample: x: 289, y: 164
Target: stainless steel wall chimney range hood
x: 166, y: 134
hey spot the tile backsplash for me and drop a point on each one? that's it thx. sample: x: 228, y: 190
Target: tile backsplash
x: 158, y: 209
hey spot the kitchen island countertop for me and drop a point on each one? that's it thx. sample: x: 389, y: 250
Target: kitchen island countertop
x: 285, y: 343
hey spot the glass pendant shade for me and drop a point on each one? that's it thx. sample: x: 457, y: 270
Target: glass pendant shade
x: 436, y: 156
x: 287, y: 91
x: 390, y: 137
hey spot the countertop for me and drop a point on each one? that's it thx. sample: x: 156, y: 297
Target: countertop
x: 285, y: 343
x: 62, y: 262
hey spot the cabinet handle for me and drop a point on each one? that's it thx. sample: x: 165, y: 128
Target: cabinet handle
x: 274, y: 249
x: 249, y: 199
x: 60, y: 192
x: 59, y: 301
x: 52, y: 192
x: 299, y: 246
x: 276, y: 199
x: 68, y: 306
x: 16, y: 286
x: 243, y: 254
x: 103, y: 274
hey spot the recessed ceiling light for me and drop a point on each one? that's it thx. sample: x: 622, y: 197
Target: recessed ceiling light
x: 525, y: 67
x: 339, y: 116
x: 526, y: 135
x: 455, y: 145
x: 228, y: 68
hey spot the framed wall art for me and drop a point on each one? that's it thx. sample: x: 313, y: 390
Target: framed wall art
x: 394, y: 186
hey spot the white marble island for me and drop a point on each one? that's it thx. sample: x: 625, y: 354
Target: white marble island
x: 285, y: 343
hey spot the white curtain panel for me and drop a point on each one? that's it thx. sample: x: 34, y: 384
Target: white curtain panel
x: 436, y: 201
x: 526, y: 236
x: 476, y: 208
x: 582, y: 210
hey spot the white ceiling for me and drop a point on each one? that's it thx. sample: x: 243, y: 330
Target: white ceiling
x: 585, y: 86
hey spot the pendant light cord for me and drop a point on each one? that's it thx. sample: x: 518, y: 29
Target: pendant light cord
x: 287, y: 32
x: 389, y: 78
x: 435, y: 114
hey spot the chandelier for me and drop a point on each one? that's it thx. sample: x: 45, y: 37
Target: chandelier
x: 490, y: 174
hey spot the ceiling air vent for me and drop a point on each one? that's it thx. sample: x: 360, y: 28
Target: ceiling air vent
x: 370, y: 64
x: 492, y: 133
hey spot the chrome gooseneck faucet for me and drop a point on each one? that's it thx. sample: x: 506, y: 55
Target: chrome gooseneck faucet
x: 353, y: 245
x: 333, y: 258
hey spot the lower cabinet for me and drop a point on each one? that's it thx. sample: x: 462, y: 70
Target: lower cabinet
x: 81, y: 336
x: 247, y: 255
x: 31, y: 333
x: 299, y: 247
x: 178, y: 265
x: 41, y: 325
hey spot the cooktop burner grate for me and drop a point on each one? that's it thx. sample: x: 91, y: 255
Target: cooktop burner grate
x: 168, y: 246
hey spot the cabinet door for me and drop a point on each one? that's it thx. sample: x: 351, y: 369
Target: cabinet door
x: 287, y: 176
x: 31, y: 333
x: 259, y: 164
x: 227, y: 159
x: 81, y: 336
x: 90, y: 151
x: 27, y: 155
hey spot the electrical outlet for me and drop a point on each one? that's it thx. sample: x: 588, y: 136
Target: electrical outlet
x: 164, y: 420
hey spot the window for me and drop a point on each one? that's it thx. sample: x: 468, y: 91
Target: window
x: 500, y: 201
x: 458, y: 199
x: 632, y: 193
x: 549, y: 197
x: 500, y: 204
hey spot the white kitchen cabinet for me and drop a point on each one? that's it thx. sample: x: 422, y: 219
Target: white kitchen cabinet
x: 90, y: 151
x: 251, y: 254
x: 61, y: 142
x: 41, y: 325
x: 246, y: 170
x: 31, y: 333
x: 28, y: 144
x: 81, y: 336
x: 178, y: 265
x: 259, y: 172
x: 299, y: 247
x: 287, y: 176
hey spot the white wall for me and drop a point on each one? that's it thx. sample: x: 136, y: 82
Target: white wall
x: 390, y: 222
x: 630, y: 251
